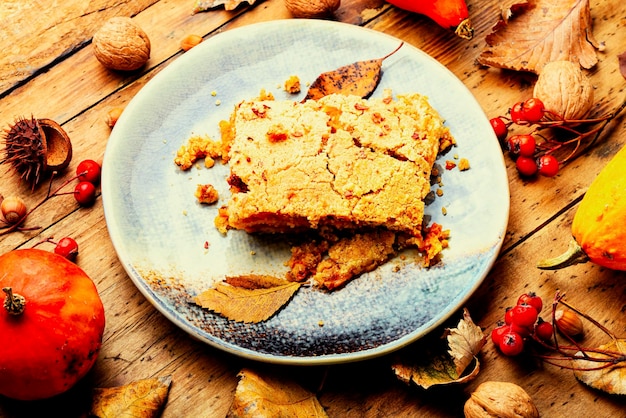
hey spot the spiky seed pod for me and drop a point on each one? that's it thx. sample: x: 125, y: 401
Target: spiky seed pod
x: 35, y: 146
x: 25, y: 149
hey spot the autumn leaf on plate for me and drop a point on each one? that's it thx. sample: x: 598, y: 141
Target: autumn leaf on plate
x: 249, y: 298
x: 548, y: 30
x: 610, y: 379
x: 442, y: 364
x: 359, y: 78
x: 272, y: 396
x: 206, y: 5
x: 140, y: 399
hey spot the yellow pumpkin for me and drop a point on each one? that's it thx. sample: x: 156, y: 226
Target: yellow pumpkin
x: 599, y: 226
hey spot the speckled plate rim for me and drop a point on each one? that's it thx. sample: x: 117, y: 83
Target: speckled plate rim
x: 142, y: 144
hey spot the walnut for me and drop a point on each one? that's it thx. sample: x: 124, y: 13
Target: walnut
x: 311, y: 8
x: 500, y: 399
x: 120, y: 44
x: 564, y: 90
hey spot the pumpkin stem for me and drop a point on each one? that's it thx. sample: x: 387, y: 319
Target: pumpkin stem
x: 573, y: 255
x: 464, y: 30
x: 14, y: 303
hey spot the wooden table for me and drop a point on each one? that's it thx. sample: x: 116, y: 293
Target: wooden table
x: 47, y: 69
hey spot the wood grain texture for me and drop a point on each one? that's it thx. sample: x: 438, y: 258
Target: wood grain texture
x: 47, y: 69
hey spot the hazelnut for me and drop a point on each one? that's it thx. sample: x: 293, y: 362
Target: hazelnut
x: 120, y: 44
x: 500, y: 399
x: 311, y: 8
x: 568, y: 323
x: 13, y: 210
x: 564, y: 90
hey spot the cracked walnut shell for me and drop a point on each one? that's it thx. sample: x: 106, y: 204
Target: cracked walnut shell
x: 500, y: 399
x: 564, y: 90
x: 120, y: 44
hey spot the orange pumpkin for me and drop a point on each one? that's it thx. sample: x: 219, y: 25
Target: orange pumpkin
x: 598, y: 229
x: 51, y: 325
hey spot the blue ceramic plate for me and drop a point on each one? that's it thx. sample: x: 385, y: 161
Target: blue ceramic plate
x: 171, y: 250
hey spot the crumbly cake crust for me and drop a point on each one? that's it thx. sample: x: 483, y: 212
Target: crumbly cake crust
x: 342, y: 162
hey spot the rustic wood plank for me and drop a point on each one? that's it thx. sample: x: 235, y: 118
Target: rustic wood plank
x: 42, y: 33
x: 140, y: 342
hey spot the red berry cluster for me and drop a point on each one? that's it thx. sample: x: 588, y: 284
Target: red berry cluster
x: 535, y: 152
x: 520, y: 323
x: 88, y: 173
x: 530, y: 155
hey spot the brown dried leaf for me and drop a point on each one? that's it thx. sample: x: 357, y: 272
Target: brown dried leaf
x: 141, y: 399
x: 438, y: 364
x: 249, y: 300
x: 465, y: 341
x: 206, y: 5
x: 548, y: 30
x: 611, y: 379
x: 272, y: 396
x: 359, y: 79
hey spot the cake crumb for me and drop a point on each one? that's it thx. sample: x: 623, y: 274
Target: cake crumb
x: 464, y: 164
x: 198, y: 147
x: 206, y: 193
x: 292, y: 85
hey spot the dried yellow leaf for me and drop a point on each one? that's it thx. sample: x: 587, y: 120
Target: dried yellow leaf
x: 245, y: 302
x: 610, y: 376
x: 432, y: 363
x: 141, y: 399
x: 272, y: 396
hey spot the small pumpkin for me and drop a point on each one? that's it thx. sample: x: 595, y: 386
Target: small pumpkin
x: 449, y: 14
x: 598, y: 228
x: 51, y: 324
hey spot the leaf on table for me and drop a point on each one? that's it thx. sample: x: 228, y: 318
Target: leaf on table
x: 272, y: 396
x: 548, y: 30
x: 610, y: 379
x: 511, y: 8
x: 250, y: 299
x: 622, y: 63
x: 359, y: 78
x: 206, y: 5
x: 452, y: 361
x: 141, y: 399
x: 465, y: 341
